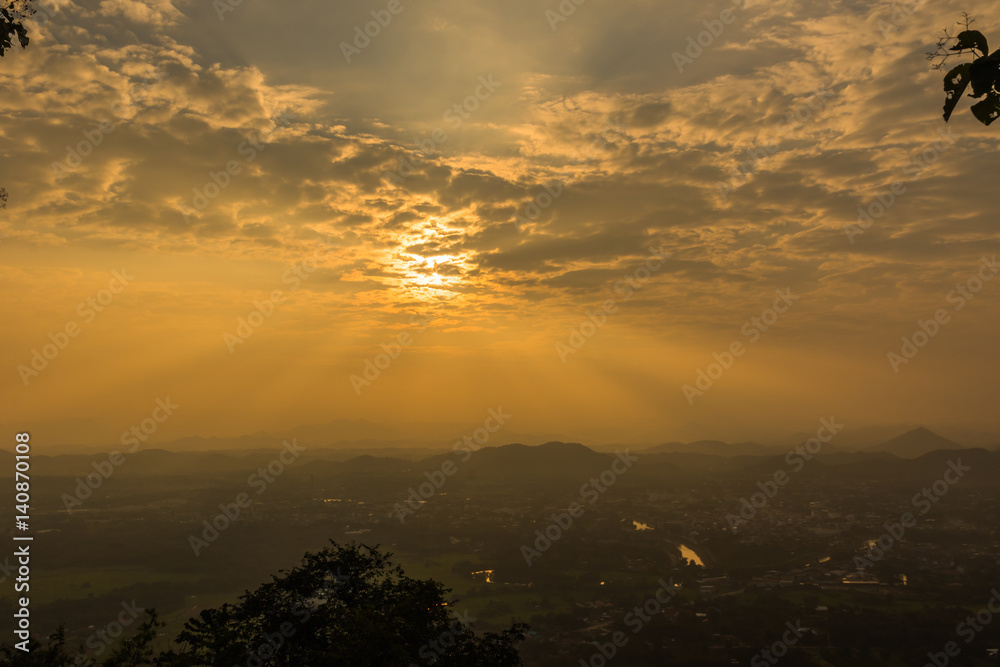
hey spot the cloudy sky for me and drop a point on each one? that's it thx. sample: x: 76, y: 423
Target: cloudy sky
x: 476, y: 182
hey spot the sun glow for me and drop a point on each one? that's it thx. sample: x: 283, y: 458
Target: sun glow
x: 417, y: 268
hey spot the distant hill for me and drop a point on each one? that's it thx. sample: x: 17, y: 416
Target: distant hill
x: 550, y: 458
x: 715, y: 448
x: 518, y: 463
x: 49, y: 435
x: 343, y: 430
x: 910, y: 456
x: 364, y: 464
x: 916, y: 443
x: 836, y: 458
x: 154, y: 462
x: 984, y: 464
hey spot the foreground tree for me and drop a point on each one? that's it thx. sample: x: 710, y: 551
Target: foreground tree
x: 12, y: 16
x: 983, y: 73
x: 346, y: 605
x: 50, y: 654
x: 133, y: 651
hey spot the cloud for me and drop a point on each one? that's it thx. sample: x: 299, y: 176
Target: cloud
x: 152, y: 12
x: 251, y: 139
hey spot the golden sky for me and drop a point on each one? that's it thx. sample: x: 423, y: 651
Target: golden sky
x: 480, y: 179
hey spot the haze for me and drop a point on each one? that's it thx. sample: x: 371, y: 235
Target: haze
x: 446, y: 250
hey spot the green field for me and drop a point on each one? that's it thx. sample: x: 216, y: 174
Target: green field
x: 515, y: 600
x: 78, y: 583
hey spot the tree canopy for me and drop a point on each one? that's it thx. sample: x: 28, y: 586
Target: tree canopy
x: 983, y: 73
x: 12, y: 16
x: 346, y: 605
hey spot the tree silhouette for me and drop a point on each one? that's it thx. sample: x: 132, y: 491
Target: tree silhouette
x: 983, y: 73
x: 346, y: 605
x: 12, y: 16
x: 137, y: 650
x: 134, y: 651
x: 52, y: 654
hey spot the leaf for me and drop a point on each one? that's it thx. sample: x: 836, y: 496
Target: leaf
x: 985, y: 73
x: 955, y: 83
x: 972, y: 39
x: 988, y: 110
x: 22, y: 34
x: 8, y: 26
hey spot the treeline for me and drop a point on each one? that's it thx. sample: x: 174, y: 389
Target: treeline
x: 345, y: 605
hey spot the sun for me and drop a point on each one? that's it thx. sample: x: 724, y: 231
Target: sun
x: 427, y: 274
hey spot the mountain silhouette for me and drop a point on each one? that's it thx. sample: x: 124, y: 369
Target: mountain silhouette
x: 713, y: 447
x: 915, y: 443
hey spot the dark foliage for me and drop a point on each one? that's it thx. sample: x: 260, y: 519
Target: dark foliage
x: 982, y: 74
x: 346, y: 605
x: 12, y: 16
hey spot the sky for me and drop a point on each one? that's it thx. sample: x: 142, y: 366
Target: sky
x: 571, y: 211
